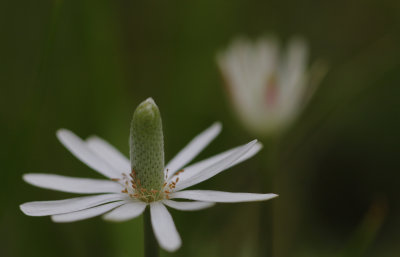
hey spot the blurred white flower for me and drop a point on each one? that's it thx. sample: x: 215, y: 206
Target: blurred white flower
x: 268, y: 88
x: 121, y: 197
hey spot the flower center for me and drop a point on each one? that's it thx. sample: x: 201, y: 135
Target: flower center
x: 134, y: 188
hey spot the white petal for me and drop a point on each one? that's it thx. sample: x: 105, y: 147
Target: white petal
x: 44, y: 208
x: 192, y: 149
x: 80, y: 149
x: 86, y: 214
x: 126, y: 212
x: 164, y: 228
x: 188, y: 206
x: 72, y: 185
x: 293, y: 78
x: 221, y: 197
x: 215, y: 168
x: 109, y: 153
x: 193, y: 169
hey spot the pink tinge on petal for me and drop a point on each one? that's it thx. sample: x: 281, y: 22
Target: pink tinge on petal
x: 271, y: 92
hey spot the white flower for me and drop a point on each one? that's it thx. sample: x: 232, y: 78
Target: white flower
x: 121, y: 198
x: 268, y: 88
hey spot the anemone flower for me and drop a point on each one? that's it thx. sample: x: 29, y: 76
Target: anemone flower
x: 268, y: 87
x: 143, y: 181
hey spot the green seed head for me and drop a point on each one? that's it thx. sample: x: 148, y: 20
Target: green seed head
x: 147, y: 146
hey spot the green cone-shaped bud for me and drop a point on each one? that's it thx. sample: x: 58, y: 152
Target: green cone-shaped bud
x: 147, y: 145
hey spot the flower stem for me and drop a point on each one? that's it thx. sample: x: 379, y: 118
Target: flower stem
x: 151, y: 248
x: 266, y: 230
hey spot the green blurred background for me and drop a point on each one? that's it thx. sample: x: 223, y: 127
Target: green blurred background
x: 85, y: 65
